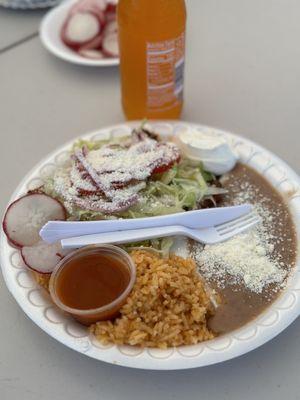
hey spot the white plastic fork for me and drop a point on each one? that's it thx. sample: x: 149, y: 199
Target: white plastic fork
x: 215, y: 234
x: 54, y: 231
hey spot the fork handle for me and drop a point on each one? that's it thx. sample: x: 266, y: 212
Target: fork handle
x: 54, y: 231
x: 136, y: 235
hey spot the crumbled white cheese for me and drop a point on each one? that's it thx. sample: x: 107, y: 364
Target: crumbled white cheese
x: 133, y: 163
x: 248, y: 259
x: 79, y: 182
x: 244, y: 259
x: 109, y: 179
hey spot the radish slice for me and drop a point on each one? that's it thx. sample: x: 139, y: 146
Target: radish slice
x: 80, y: 29
x: 43, y: 257
x: 91, y: 53
x: 110, y: 16
x: 110, y: 45
x: 93, y: 44
x: 111, y: 10
x: 26, y: 216
x: 100, y: 4
x: 87, y: 5
x: 111, y: 6
x: 83, y: 28
x: 111, y: 27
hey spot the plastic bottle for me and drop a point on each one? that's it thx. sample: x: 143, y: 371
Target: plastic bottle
x: 152, y: 50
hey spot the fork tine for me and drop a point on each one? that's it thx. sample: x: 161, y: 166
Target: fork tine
x: 239, y: 229
x: 236, y: 221
x: 237, y: 225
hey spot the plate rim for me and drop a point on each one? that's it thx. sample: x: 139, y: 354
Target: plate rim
x: 174, y: 359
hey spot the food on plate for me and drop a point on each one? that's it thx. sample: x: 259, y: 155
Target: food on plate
x: 212, y: 150
x: 25, y: 217
x: 42, y: 279
x: 208, y: 291
x: 91, y: 29
x: 82, y: 28
x: 255, y: 265
x: 132, y: 177
x: 91, y: 53
x: 42, y: 257
x: 167, y: 307
x: 93, y: 283
x: 110, y: 46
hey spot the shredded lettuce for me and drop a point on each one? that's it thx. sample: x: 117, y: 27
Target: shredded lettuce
x: 161, y: 246
x: 97, y: 144
x: 179, y: 189
x: 91, y: 145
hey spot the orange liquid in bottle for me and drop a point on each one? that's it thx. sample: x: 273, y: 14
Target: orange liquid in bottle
x: 152, y: 48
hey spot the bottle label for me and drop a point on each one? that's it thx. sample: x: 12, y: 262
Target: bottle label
x: 165, y: 73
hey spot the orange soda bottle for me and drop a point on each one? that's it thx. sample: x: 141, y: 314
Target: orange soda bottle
x: 152, y: 50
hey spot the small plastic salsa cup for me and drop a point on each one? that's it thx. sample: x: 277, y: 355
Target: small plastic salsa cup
x: 104, y: 312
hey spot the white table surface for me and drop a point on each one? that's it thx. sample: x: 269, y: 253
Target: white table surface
x: 243, y: 74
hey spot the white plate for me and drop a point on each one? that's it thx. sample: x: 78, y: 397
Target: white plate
x: 38, y: 306
x: 50, y: 36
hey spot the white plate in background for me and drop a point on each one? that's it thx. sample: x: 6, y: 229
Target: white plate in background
x: 37, y: 304
x: 50, y: 29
